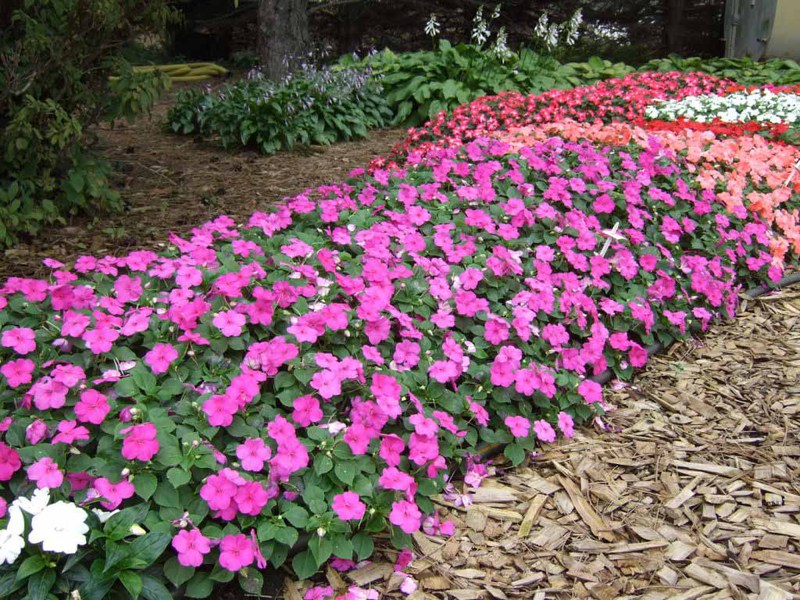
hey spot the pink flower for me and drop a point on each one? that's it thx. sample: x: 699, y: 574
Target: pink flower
x: 394, y: 479
x: 406, y: 516
x: 160, y: 358
x: 544, y: 431
x: 591, y: 391
x: 100, y: 340
x: 21, y: 339
x: 18, y: 372
x: 191, y: 547
x: 252, y: 454
x: 36, y: 432
x: 319, y: 593
x: 230, y: 323
x: 236, y: 552
x: 638, y: 355
x: 140, y: 442
x: 566, y: 424
x: 113, y: 493
x: 306, y: 411
x: 45, y: 473
x: 92, y: 408
x: 519, y: 426
x: 70, y: 432
x: 9, y: 462
x: 48, y: 393
x: 250, y: 498
x: 218, y: 491
x: 348, y: 506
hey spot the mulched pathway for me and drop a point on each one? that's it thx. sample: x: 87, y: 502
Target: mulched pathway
x: 175, y: 183
x: 692, y: 491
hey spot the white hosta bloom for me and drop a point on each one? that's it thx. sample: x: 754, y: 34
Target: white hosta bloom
x: 761, y: 106
x: 432, y: 26
x: 61, y: 527
x: 11, y: 540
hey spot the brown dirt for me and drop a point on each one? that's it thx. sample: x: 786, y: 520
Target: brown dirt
x: 174, y: 183
x: 692, y: 492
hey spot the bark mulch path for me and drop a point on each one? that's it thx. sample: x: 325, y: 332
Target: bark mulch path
x: 693, y: 492
x: 175, y: 183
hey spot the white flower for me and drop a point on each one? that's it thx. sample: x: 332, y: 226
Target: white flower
x: 11, y: 540
x: 61, y: 527
x: 104, y: 515
x: 432, y: 26
x: 36, y: 504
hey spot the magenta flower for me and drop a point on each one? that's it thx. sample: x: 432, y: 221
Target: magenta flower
x: 45, y: 473
x: 252, y: 454
x: 20, y: 339
x: 9, y: 462
x: 250, y: 498
x: 544, y: 431
x: 18, y: 372
x: 236, y: 552
x: 566, y: 424
x: 519, y: 426
x: 591, y: 391
x: 406, y: 516
x: 218, y: 491
x: 92, y: 408
x: 112, y: 493
x: 230, y: 323
x: 160, y: 358
x: 191, y: 547
x: 348, y: 506
x: 306, y: 411
x: 70, y: 432
x: 140, y: 442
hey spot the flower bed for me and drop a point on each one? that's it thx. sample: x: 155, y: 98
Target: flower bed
x: 757, y: 106
x: 326, y: 368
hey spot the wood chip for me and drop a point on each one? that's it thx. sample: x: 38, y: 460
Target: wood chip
x: 598, y: 526
x: 531, y: 515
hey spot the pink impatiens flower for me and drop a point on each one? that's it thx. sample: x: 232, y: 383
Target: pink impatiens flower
x: 9, y: 462
x: 591, y: 391
x: 112, y: 493
x: 18, y: 372
x: 140, y: 442
x: 348, y: 506
x: 236, y: 552
x: 191, y: 547
x: 92, y: 407
x: 252, y: 454
x: 45, y: 473
x: 20, y: 339
x: 566, y: 424
x: 160, y: 358
x: 306, y: 411
x: 406, y: 516
x: 519, y: 426
x: 230, y: 323
x: 544, y: 431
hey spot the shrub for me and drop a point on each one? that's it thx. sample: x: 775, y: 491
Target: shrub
x: 778, y: 71
x: 313, y: 106
x: 55, y: 57
x: 326, y: 369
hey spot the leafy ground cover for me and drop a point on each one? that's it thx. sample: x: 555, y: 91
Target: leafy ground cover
x: 322, y: 370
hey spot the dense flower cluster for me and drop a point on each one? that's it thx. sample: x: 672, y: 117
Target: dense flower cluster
x: 759, y: 106
x: 324, y: 368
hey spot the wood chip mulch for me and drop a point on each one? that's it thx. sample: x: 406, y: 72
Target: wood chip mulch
x: 693, y: 491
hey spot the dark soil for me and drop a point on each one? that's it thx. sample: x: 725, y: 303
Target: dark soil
x: 175, y: 183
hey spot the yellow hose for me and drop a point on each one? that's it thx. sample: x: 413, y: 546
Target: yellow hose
x: 196, y: 71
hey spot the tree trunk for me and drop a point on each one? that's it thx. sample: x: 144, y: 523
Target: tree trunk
x: 675, y: 25
x: 282, y: 35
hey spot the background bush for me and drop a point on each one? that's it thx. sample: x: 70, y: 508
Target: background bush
x: 312, y: 106
x: 55, y: 59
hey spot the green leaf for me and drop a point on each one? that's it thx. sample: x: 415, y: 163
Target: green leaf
x: 40, y: 584
x: 321, y: 548
x: 31, y: 565
x: 304, y: 565
x: 153, y: 589
x: 145, y: 485
x: 200, y: 586
x: 176, y: 573
x: 132, y: 582
x: 515, y: 453
x: 143, y: 378
x: 178, y: 477
x: 296, y: 515
x: 146, y: 549
x: 363, y: 545
x: 342, y: 547
x: 322, y: 464
x: 251, y: 581
x: 167, y: 496
x: 345, y: 471
x: 119, y: 525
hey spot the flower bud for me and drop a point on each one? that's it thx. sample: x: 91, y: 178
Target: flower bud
x: 321, y: 532
x: 137, y: 530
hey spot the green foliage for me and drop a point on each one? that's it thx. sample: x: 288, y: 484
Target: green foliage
x: 746, y: 71
x: 419, y: 85
x: 55, y: 60
x: 313, y: 106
